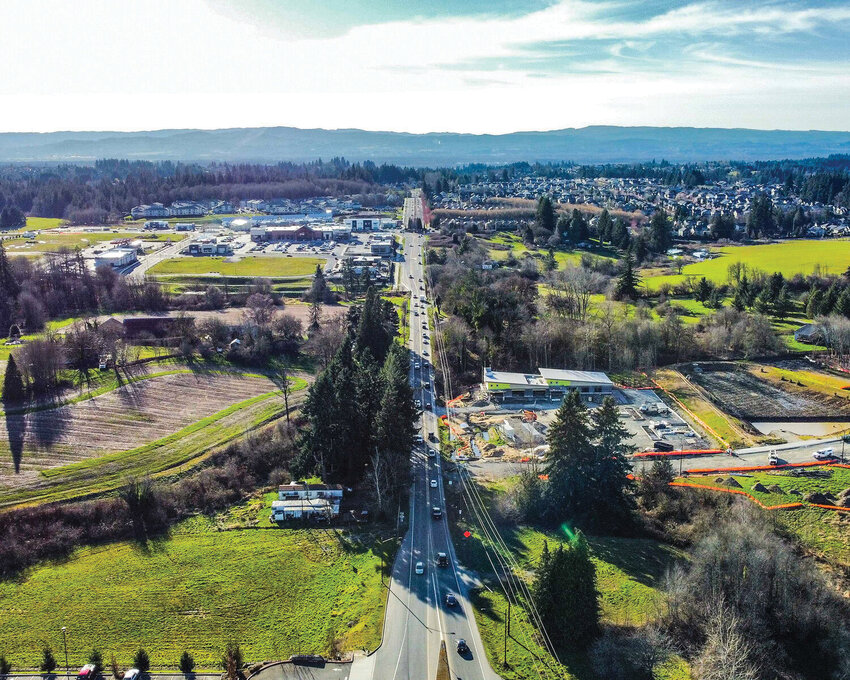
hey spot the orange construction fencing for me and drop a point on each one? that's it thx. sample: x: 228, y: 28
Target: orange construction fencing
x: 740, y: 492
x: 686, y: 452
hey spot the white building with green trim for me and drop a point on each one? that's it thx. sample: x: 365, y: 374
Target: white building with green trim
x: 548, y: 384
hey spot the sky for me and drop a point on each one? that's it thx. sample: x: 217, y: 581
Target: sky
x: 480, y: 66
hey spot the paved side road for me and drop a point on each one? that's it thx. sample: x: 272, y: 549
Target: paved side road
x: 286, y: 670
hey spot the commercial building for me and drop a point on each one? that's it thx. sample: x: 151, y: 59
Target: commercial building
x: 209, y: 247
x: 369, y: 222
x: 306, y: 501
x: 115, y: 257
x: 546, y: 384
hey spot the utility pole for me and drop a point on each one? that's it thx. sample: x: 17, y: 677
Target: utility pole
x: 65, y: 642
x: 507, y: 632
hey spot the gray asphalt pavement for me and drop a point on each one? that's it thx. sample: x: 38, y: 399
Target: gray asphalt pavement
x: 417, y: 617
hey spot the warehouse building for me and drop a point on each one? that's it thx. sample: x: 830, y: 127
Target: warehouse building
x: 547, y: 384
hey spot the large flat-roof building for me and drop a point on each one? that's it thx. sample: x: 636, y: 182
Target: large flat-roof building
x: 546, y: 384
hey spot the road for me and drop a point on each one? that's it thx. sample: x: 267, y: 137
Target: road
x: 417, y: 617
x: 413, y: 209
x: 137, y: 272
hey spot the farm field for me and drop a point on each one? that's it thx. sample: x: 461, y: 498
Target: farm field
x: 745, y: 394
x: 150, y: 426
x: 52, y: 242
x: 719, y: 426
x: 277, y: 591
x: 246, y: 266
x: 825, y: 533
x: 788, y: 257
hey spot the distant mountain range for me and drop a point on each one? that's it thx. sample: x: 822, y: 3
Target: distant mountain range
x: 595, y: 144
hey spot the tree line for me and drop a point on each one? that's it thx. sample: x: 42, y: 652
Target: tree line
x: 359, y: 413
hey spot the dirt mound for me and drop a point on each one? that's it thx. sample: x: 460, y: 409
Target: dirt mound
x: 758, y: 486
x: 731, y: 482
x: 819, y: 498
x: 796, y: 492
x: 775, y: 488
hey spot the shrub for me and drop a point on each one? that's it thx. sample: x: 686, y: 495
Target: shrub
x: 48, y: 661
x: 231, y: 662
x: 5, y: 666
x: 187, y: 663
x: 142, y: 661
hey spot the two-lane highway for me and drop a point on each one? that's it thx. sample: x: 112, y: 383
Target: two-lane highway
x: 419, y: 616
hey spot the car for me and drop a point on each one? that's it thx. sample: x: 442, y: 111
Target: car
x: 433, y: 483
x: 86, y: 672
x: 823, y: 454
x: 420, y: 568
x: 427, y: 405
x: 427, y: 385
x: 451, y: 600
x: 417, y: 365
x: 442, y: 559
x: 418, y: 439
x: 132, y: 674
x: 432, y: 453
x: 462, y: 647
x: 432, y: 437
x: 410, y: 277
x: 418, y: 403
x: 436, y: 512
x: 773, y: 459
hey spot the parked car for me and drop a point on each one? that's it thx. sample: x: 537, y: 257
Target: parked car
x: 86, y: 672
x: 420, y: 568
x: 823, y: 454
x: 773, y: 459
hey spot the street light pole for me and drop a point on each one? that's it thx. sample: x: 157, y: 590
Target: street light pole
x: 65, y: 642
x: 507, y: 631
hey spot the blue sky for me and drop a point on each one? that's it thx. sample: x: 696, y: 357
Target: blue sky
x: 469, y: 65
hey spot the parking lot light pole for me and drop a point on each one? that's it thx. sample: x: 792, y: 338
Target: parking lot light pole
x: 65, y: 642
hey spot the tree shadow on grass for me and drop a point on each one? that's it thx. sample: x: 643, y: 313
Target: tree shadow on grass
x: 644, y: 560
x: 16, y: 431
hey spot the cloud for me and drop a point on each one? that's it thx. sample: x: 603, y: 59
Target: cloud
x: 494, y: 67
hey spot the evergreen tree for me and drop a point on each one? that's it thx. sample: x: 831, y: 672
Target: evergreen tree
x: 549, y: 262
x: 48, y: 661
x: 565, y: 595
x: 319, y: 291
x: 96, y: 660
x: 578, y: 228
x: 782, y: 305
x: 142, y: 661
x: 563, y: 227
x: 620, y: 236
x: 762, y: 303
x: 604, y: 226
x: 628, y: 281
x: 13, y: 383
x: 813, y: 304
x: 570, y: 462
x: 613, y: 487
x: 827, y: 305
x: 739, y: 300
x: 714, y: 300
x: 703, y: 289
x: 660, y: 232
x: 544, y: 218
x: 187, y: 663
x: 372, y: 332
x: 842, y: 305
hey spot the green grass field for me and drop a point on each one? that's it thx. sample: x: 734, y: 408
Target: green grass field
x: 247, y: 266
x: 43, y: 223
x: 53, y: 242
x: 789, y: 257
x: 826, y: 533
x: 628, y: 570
x: 275, y: 591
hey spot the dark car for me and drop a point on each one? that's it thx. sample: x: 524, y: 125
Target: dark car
x: 451, y: 600
x: 462, y: 647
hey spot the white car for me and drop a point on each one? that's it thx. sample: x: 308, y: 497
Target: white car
x: 132, y: 674
x: 420, y: 568
x: 823, y: 454
x: 418, y: 403
x: 433, y: 483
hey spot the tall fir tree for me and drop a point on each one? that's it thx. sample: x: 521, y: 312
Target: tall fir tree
x: 604, y: 226
x: 660, y: 232
x: 614, y: 501
x: 545, y: 215
x: 569, y: 464
x: 13, y: 383
x: 628, y: 281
